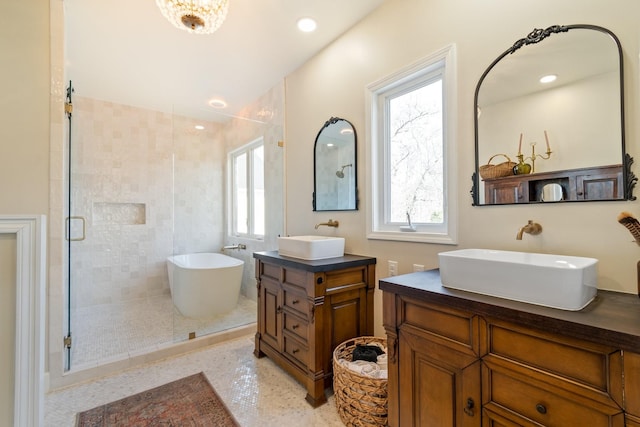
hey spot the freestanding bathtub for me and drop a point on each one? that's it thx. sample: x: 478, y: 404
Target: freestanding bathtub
x: 204, y: 284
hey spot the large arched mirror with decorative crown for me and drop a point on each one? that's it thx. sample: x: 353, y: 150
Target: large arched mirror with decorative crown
x: 334, y: 167
x: 549, y: 113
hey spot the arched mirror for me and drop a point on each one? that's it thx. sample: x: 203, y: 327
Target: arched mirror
x: 551, y: 109
x: 334, y: 167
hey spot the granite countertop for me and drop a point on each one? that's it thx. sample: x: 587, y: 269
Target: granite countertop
x: 612, y: 318
x: 315, y: 266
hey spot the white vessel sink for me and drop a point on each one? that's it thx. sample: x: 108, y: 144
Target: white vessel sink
x: 311, y: 247
x: 557, y: 281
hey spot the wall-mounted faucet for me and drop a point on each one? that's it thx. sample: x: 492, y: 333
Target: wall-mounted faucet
x: 532, y: 228
x: 236, y: 246
x: 331, y: 223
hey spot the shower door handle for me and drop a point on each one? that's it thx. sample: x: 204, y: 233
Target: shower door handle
x: 67, y: 229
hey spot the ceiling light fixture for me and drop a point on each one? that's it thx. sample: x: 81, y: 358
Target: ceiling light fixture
x: 218, y: 103
x: 307, y: 25
x: 548, y: 79
x: 195, y: 16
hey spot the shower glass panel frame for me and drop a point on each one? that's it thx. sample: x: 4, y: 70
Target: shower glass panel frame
x: 148, y: 185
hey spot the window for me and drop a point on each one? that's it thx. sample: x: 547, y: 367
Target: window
x: 246, y: 179
x: 411, y: 188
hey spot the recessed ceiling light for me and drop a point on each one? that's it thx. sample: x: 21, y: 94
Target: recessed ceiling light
x: 548, y: 79
x: 199, y: 127
x: 218, y: 103
x: 307, y: 25
x: 346, y: 131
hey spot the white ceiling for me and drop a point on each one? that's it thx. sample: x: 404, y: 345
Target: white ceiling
x: 125, y: 51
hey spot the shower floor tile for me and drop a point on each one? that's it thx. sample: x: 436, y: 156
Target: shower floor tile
x: 256, y: 391
x: 113, y: 331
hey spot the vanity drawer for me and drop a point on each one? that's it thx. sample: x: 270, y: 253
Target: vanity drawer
x: 515, y: 396
x: 295, y: 302
x: 594, y: 366
x: 453, y: 328
x: 296, y: 278
x: 337, y: 280
x: 297, y: 350
x: 297, y: 326
x: 270, y: 270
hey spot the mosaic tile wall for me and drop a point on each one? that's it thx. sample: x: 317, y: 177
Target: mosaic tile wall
x: 137, y: 175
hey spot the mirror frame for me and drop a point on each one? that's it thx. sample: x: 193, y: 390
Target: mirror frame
x: 329, y: 122
x: 536, y: 36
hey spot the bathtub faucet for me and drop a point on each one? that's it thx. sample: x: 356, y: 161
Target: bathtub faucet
x: 237, y: 246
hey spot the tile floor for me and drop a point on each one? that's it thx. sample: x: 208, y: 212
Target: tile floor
x: 256, y: 391
x: 109, y: 331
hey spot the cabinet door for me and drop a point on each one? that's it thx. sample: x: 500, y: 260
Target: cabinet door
x: 271, y: 319
x: 498, y: 192
x: 599, y: 186
x: 438, y: 386
x: 347, y: 311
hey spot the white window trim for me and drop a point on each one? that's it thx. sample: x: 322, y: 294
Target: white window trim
x: 450, y: 237
x: 247, y: 148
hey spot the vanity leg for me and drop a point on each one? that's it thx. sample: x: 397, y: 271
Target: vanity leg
x: 256, y: 351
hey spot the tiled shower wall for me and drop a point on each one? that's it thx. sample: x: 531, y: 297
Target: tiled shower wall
x: 148, y: 185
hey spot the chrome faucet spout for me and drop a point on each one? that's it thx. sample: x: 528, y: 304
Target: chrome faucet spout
x: 532, y: 228
x: 331, y: 223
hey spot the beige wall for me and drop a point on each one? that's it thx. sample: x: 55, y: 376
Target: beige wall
x: 401, y: 32
x: 24, y: 107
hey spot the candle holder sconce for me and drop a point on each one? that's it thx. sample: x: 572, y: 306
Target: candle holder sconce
x: 523, y: 168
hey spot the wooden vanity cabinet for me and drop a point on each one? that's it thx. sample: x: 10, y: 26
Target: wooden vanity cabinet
x: 307, y: 308
x: 463, y: 359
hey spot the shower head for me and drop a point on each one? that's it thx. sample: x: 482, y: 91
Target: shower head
x: 340, y: 173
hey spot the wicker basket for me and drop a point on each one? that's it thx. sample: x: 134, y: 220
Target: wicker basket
x: 361, y: 400
x: 489, y: 171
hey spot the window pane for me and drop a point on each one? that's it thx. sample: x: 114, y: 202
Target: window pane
x: 241, y: 194
x: 415, y: 167
x: 258, y: 191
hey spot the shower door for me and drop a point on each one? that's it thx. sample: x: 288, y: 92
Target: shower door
x: 119, y: 229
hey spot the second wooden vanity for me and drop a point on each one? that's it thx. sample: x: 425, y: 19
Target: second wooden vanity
x: 307, y: 308
x: 463, y: 359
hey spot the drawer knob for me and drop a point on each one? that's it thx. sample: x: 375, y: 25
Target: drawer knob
x: 541, y: 408
x: 278, y: 309
x: 295, y: 301
x: 295, y: 350
x: 295, y: 326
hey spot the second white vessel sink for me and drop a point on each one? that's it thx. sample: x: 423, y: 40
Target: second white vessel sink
x: 557, y: 281
x: 311, y: 247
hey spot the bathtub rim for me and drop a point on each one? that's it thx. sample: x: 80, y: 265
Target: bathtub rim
x: 228, y: 261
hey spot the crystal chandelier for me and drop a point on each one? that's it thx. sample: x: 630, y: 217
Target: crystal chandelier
x: 195, y: 16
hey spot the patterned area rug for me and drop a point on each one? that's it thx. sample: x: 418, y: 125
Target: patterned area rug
x: 190, y: 401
